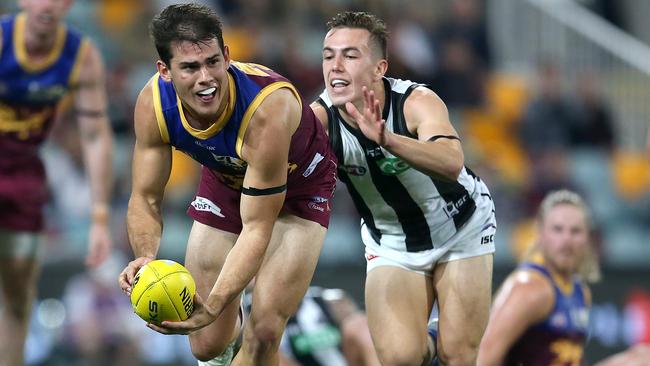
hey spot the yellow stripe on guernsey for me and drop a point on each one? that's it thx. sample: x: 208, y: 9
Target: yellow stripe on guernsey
x: 21, y: 52
x: 157, y: 107
x: 565, y: 286
x: 259, y: 98
x: 78, y: 61
x: 221, y: 120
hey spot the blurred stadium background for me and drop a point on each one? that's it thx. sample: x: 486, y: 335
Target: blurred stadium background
x: 545, y: 94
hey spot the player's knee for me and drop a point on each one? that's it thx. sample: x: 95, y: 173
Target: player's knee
x: 460, y: 353
x: 205, y: 349
x: 402, y: 355
x: 268, y: 331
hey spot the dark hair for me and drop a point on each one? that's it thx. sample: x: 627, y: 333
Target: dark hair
x: 363, y: 20
x: 184, y: 22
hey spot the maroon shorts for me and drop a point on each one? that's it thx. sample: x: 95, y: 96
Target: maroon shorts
x: 217, y: 205
x: 23, y: 194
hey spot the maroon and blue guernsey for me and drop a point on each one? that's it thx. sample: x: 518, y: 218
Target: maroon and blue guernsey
x: 219, y: 146
x: 559, y: 340
x: 312, y: 164
x: 30, y: 93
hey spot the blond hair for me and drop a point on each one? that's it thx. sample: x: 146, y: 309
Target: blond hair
x: 589, y: 268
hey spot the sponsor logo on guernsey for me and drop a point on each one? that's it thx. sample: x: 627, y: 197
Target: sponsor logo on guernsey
x: 374, y: 152
x: 312, y: 166
x: 203, y: 145
x: 37, y: 92
x: 230, y: 162
x: 559, y: 320
x: 580, y: 318
x: 453, y: 208
x: 392, y: 165
x: 204, y: 204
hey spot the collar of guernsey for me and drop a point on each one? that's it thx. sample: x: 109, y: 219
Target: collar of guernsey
x: 569, y: 300
x: 19, y: 75
x: 249, y: 84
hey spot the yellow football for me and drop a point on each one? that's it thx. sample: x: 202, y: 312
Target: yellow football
x: 163, y: 290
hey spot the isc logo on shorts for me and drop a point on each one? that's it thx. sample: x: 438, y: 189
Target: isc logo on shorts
x: 204, y: 204
x: 487, y: 239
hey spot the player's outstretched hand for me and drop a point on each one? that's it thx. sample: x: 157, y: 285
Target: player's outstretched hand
x: 201, y: 317
x: 126, y: 277
x: 369, y: 120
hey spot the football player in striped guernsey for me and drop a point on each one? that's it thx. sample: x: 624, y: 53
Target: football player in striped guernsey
x: 42, y: 61
x: 428, y: 222
x: 327, y: 330
x: 541, y: 313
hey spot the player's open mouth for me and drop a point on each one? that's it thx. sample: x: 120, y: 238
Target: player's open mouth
x: 338, y: 84
x: 208, y: 94
x: 46, y: 19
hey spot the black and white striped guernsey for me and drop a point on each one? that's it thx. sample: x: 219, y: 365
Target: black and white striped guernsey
x: 402, y: 208
x: 312, y: 336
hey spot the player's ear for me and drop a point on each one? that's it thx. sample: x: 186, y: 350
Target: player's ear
x: 163, y: 70
x: 226, y: 55
x: 380, y: 68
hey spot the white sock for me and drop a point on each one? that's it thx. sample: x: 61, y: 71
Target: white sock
x: 222, y: 360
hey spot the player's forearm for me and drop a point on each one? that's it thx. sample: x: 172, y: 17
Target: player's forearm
x: 144, y: 226
x: 492, y: 351
x: 438, y: 160
x: 241, y: 265
x: 97, y: 144
x: 489, y: 359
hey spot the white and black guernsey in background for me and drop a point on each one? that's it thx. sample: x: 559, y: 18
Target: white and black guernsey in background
x: 403, y: 208
x: 312, y: 336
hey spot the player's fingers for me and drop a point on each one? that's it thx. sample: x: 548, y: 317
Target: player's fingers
x: 367, y: 104
x: 370, y: 96
x: 124, y: 284
x: 162, y: 330
x: 183, y: 327
x: 352, y: 110
x: 377, y: 110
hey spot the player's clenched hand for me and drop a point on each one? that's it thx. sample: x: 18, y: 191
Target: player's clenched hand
x: 127, y: 275
x: 201, y: 317
x: 369, y: 119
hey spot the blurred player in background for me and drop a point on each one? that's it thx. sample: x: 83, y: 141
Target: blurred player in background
x: 327, y: 330
x: 540, y: 315
x: 262, y: 206
x: 41, y: 61
x: 428, y: 222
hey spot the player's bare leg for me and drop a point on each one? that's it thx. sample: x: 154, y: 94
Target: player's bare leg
x: 398, y: 304
x: 19, y: 268
x: 464, y: 292
x: 207, y: 249
x: 279, y: 287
